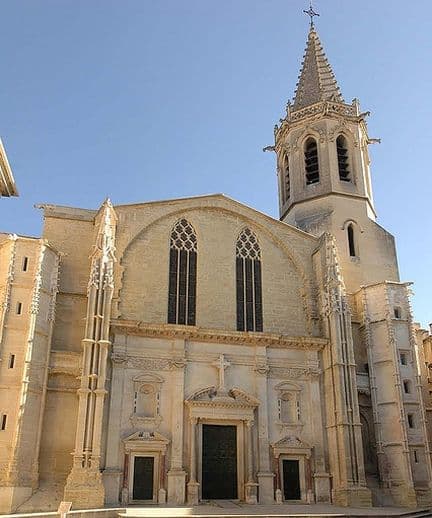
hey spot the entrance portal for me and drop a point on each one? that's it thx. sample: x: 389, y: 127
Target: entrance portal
x: 291, y: 479
x: 143, y: 478
x: 219, y: 462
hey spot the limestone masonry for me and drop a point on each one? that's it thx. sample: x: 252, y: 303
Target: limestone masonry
x: 196, y: 349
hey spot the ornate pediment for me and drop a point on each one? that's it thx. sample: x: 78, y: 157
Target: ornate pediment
x: 145, y: 441
x: 291, y: 444
x: 211, y: 396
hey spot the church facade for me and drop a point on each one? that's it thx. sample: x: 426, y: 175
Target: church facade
x: 196, y: 349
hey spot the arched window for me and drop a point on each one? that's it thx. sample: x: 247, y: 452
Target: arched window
x: 351, y: 240
x: 182, y: 274
x: 342, y: 154
x: 248, y: 276
x: 311, y: 161
x: 286, y: 180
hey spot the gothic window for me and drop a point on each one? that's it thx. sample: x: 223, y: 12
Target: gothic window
x: 286, y: 188
x: 342, y: 155
x: 248, y: 276
x: 182, y: 274
x: 351, y: 240
x: 311, y: 161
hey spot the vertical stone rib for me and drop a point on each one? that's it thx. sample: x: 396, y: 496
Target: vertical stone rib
x: 343, y: 413
x: 84, y: 482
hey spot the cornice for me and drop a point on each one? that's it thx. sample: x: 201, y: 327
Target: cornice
x: 197, y: 334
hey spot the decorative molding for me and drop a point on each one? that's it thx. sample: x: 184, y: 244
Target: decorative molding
x: 193, y: 333
x: 293, y: 373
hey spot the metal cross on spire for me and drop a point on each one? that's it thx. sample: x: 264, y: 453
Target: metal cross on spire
x: 310, y: 12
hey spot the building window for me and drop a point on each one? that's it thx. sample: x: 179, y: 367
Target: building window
x: 248, y: 280
x: 351, y: 241
x: 311, y: 161
x: 289, y: 408
x: 403, y: 359
x: 25, y: 264
x: 397, y: 312
x: 415, y: 457
x: 3, y: 421
x: 342, y: 155
x: 407, y: 386
x: 19, y: 308
x: 182, y: 274
x: 286, y: 180
x: 11, y: 361
x: 410, y: 418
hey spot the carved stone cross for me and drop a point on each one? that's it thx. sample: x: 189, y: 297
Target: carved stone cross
x: 221, y: 364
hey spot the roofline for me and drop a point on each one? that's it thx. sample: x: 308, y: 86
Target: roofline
x: 173, y: 200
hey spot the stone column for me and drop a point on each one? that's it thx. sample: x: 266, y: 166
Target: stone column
x: 251, y: 486
x: 125, y: 488
x: 176, y: 474
x: 265, y: 475
x: 278, y: 480
x: 162, y: 490
x: 193, y: 485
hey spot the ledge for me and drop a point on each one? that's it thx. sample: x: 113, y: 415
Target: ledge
x: 198, y: 334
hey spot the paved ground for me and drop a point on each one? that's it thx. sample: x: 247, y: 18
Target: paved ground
x: 224, y: 509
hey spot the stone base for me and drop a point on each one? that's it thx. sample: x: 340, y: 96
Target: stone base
x: 424, y: 497
x: 162, y: 496
x: 192, y: 493
x: 84, y: 488
x: 176, y: 486
x: 251, y: 493
x: 11, y: 497
x: 404, y: 496
x: 352, y: 497
x: 265, y: 484
x: 322, y: 487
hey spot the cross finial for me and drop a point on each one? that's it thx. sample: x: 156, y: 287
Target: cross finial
x: 310, y: 12
x: 221, y: 364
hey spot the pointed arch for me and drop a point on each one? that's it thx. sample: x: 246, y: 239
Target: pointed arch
x: 285, y: 179
x: 352, y: 245
x: 182, y: 274
x: 248, y: 282
x: 311, y: 161
x: 343, y: 158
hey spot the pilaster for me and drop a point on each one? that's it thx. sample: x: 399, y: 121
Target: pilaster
x: 84, y: 484
x: 177, y: 474
x: 343, y: 420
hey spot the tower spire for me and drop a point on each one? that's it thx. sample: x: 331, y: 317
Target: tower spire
x: 316, y: 80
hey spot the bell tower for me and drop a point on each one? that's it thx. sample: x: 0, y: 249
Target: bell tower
x: 324, y: 181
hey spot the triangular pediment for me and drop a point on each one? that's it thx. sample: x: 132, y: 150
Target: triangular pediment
x: 146, y: 437
x: 291, y: 442
x: 233, y: 397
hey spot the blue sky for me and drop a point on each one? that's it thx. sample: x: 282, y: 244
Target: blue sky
x: 143, y: 100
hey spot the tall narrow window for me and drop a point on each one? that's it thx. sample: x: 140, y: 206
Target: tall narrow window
x: 248, y: 275
x: 182, y: 274
x: 311, y: 161
x: 286, y: 180
x: 351, y: 241
x: 25, y: 264
x: 3, y: 422
x: 342, y: 154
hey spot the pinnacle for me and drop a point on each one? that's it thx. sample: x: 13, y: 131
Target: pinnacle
x: 316, y: 81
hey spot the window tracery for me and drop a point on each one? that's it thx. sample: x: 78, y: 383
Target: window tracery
x: 182, y: 274
x: 249, y: 284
